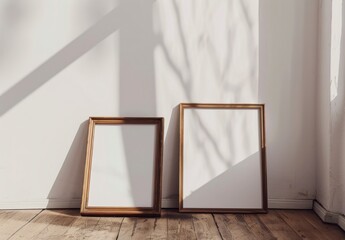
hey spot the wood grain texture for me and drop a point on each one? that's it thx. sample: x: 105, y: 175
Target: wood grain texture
x: 81, y: 228
x: 329, y: 231
x: 205, y: 227
x: 137, y: 228
x: 127, y: 228
x: 47, y: 225
x: 180, y: 226
x: 302, y: 226
x: 233, y: 226
x: 11, y: 221
x: 257, y: 227
x: 143, y: 228
x: 57, y: 228
x: 93, y: 228
x: 278, y: 227
x: 160, y: 228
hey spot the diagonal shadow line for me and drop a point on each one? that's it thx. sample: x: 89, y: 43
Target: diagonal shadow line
x: 209, y: 193
x: 59, y: 61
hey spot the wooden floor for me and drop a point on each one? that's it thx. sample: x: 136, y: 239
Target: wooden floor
x: 68, y: 224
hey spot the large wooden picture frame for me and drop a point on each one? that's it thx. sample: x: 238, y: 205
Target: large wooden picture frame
x: 123, y: 171
x: 222, y: 158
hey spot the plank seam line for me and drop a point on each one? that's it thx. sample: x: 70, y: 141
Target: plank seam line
x: 167, y: 227
x: 220, y: 234
x: 118, y: 231
x: 292, y: 228
x: 264, y: 225
x: 25, y: 224
x: 196, y: 236
x: 134, y: 227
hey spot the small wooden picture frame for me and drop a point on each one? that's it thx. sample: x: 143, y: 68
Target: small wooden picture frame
x: 222, y: 158
x: 123, y: 170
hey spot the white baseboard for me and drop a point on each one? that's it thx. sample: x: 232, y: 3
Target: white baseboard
x: 272, y: 203
x: 329, y: 217
x: 56, y: 203
x: 166, y: 203
x: 41, y: 204
x: 341, y: 222
x: 290, y: 203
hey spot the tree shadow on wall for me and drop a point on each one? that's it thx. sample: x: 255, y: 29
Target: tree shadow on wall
x: 187, y: 82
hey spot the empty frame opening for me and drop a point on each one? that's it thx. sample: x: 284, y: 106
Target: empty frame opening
x: 122, y: 171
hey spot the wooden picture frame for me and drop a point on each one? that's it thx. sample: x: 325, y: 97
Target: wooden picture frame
x: 123, y: 170
x: 210, y: 135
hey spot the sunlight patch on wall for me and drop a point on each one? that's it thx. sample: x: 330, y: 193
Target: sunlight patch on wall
x: 336, y: 33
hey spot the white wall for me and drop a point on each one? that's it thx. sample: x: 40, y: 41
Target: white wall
x: 288, y: 58
x: 63, y: 61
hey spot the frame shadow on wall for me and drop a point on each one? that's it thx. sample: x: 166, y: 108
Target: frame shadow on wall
x: 69, y: 180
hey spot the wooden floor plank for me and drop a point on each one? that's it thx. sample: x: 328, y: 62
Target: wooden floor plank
x: 13, y: 220
x: 302, y: 226
x: 5, y: 215
x: 81, y: 228
x: 93, y: 228
x: 143, y: 229
x: 328, y: 231
x: 160, y: 229
x: 258, y: 228
x: 180, y: 226
x: 50, y: 224
x: 127, y: 228
x: 205, y: 227
x: 35, y: 226
x: 233, y: 226
x: 58, y: 226
x: 107, y: 228
x: 278, y: 227
x: 136, y: 228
